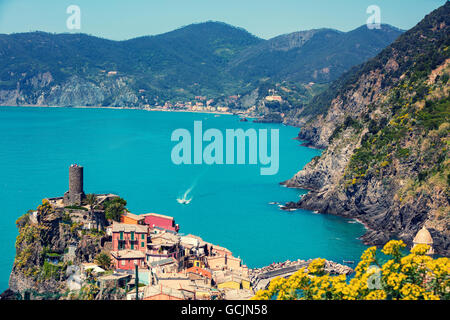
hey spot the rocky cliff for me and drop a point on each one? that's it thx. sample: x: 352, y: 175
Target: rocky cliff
x: 42, y: 90
x: 43, y: 255
x: 385, y: 134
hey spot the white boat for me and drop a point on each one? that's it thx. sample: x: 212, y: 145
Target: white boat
x: 184, y: 201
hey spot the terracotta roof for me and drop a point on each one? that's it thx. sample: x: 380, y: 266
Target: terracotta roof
x: 151, y: 291
x: 232, y: 277
x: 116, y: 276
x: 128, y: 254
x: 162, y: 262
x: 193, y: 240
x: 133, y: 216
x: 124, y: 227
x: 200, y: 271
x: 157, y: 215
x: 215, y: 247
x: 164, y: 238
x: 193, y: 236
x: 93, y: 266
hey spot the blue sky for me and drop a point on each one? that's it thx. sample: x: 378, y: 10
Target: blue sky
x: 118, y: 19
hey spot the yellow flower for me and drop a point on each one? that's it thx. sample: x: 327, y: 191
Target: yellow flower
x: 393, y: 247
x: 376, y: 295
x: 415, y: 276
x: 420, y: 249
x: 316, y: 266
x: 412, y: 292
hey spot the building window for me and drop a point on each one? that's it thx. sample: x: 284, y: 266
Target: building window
x: 132, y: 236
x: 142, y: 244
x: 132, y: 245
x: 121, y: 235
x: 142, y: 236
x: 122, y: 262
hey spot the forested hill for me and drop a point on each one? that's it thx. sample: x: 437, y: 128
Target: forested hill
x: 208, y: 59
x: 320, y: 55
x: 385, y: 127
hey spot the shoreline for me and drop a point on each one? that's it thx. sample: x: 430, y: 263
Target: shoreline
x: 120, y: 108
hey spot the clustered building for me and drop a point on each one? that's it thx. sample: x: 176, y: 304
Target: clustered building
x: 171, y: 265
x: 177, y: 266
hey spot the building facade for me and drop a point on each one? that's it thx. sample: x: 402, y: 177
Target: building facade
x: 129, y: 237
x: 161, y: 221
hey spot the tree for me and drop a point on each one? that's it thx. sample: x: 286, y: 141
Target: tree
x: 91, y: 200
x: 415, y: 276
x: 103, y: 260
x: 114, y: 208
x: 114, y: 211
x: 115, y: 200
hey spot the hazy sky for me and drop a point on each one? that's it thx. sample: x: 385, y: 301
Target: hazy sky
x: 120, y: 19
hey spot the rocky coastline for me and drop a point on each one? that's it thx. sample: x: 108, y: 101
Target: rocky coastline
x: 373, y: 201
x: 384, y: 132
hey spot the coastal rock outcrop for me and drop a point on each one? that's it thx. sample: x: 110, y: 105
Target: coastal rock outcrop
x: 385, y: 160
x: 42, y: 253
x: 42, y: 90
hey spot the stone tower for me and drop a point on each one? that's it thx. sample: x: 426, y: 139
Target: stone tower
x: 75, y: 195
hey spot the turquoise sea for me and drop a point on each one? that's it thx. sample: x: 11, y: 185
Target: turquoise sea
x: 127, y: 152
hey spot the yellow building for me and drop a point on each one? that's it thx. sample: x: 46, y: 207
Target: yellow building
x: 233, y: 282
x: 130, y: 218
x: 198, y: 263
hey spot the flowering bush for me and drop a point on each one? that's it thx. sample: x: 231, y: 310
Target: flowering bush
x: 404, y: 277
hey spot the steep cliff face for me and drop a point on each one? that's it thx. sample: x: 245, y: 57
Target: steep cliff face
x: 386, y: 134
x: 41, y: 253
x: 42, y: 90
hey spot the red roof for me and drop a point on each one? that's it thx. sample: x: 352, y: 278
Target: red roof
x: 200, y: 271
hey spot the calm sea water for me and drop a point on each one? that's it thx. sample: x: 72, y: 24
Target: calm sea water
x: 127, y: 152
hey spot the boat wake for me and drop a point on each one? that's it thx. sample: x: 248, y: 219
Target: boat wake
x: 185, y: 199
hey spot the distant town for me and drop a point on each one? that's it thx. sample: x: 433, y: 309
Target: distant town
x: 202, y: 104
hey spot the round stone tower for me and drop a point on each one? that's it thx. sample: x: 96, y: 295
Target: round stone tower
x: 75, y: 195
x: 75, y: 180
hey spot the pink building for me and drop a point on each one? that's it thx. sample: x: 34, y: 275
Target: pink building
x: 129, y: 237
x: 158, y: 220
x: 128, y: 259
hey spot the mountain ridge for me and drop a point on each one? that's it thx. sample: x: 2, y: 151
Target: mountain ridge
x: 319, y: 48
x: 186, y: 62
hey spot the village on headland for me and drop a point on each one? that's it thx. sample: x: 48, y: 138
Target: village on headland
x: 85, y: 246
x: 202, y: 104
